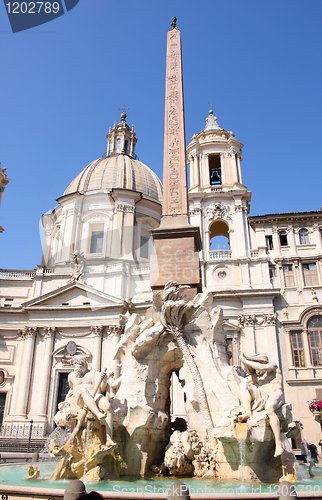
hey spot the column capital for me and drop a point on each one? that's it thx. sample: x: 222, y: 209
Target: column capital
x: 49, y: 331
x: 28, y: 332
x: 123, y: 207
x: 246, y: 319
x: 114, y: 330
x: 97, y: 330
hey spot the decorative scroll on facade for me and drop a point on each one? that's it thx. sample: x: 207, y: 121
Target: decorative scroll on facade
x: 218, y: 211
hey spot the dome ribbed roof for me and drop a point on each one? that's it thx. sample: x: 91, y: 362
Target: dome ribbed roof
x: 117, y: 171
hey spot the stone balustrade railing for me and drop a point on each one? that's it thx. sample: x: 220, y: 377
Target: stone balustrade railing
x: 12, y: 273
x: 220, y: 254
x: 22, y: 275
x: 254, y: 254
x: 140, y: 269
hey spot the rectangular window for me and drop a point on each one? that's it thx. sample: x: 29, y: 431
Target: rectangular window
x: 310, y: 274
x: 304, y: 237
x: 288, y: 275
x: 297, y: 349
x: 229, y: 350
x: 269, y: 242
x: 144, y: 247
x: 316, y: 347
x: 97, y: 242
x: 214, y: 170
x: 272, y: 271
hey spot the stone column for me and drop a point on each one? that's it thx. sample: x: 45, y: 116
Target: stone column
x: 114, y: 333
x: 240, y: 234
x: 97, y: 348
x: 247, y: 322
x: 280, y: 276
x: 298, y: 277
x: 291, y: 367
x: 317, y: 238
x: 291, y: 240
x: 276, y: 241
x: 128, y: 231
x: 18, y: 371
x: 49, y: 336
x: 25, y: 374
x: 236, y: 350
x: 207, y: 245
x: 117, y: 231
x: 197, y: 172
x: 318, y: 270
x: 191, y: 161
x: 205, y: 175
x: 307, y: 351
x: 224, y: 168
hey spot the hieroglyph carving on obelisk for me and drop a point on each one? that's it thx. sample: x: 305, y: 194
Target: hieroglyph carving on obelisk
x: 175, y: 197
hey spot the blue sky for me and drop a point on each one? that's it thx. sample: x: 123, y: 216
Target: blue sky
x: 62, y: 85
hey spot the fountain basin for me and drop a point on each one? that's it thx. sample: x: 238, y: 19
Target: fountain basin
x: 12, y: 483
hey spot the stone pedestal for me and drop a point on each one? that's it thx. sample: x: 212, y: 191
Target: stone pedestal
x: 176, y: 258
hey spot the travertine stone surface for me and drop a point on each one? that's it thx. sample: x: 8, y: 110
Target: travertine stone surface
x: 176, y: 257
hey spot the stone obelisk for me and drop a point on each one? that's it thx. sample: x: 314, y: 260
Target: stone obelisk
x: 176, y: 242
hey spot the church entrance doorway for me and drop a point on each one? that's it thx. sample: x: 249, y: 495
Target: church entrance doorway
x: 3, y: 396
x: 63, y: 388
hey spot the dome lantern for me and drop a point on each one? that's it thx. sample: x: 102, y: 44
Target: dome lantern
x: 121, y: 139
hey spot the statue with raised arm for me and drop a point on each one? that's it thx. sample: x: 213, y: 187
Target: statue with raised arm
x: 81, y: 383
x: 87, y: 402
x: 262, y: 390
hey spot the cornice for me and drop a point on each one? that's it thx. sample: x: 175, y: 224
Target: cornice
x: 304, y: 381
x: 226, y: 294
x: 285, y: 217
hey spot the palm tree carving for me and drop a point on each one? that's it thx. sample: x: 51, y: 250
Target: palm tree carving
x: 172, y: 306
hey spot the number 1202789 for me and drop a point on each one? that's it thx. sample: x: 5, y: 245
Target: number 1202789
x: 32, y: 7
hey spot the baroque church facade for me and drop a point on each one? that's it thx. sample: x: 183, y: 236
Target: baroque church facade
x: 264, y: 271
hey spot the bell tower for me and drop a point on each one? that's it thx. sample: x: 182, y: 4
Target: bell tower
x: 219, y: 203
x: 214, y: 156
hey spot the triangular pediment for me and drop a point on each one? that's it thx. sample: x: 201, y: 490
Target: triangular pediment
x: 74, y: 295
x: 230, y: 327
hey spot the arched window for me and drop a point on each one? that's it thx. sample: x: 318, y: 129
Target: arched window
x: 219, y: 238
x: 283, y: 238
x: 126, y: 147
x: 118, y: 145
x: 314, y: 328
x: 304, y: 237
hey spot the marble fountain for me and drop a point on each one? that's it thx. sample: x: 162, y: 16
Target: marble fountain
x: 119, y: 433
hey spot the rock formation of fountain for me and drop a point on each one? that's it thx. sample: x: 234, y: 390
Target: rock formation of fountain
x: 185, y: 337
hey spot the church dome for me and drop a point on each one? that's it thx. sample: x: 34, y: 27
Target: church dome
x: 117, y: 171
x: 119, y: 168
